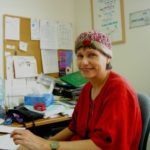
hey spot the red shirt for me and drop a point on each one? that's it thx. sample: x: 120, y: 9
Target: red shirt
x: 113, y: 120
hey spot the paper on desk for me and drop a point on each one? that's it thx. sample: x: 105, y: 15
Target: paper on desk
x: 51, y: 111
x: 6, y: 143
x: 68, y: 112
x: 54, y: 110
x: 8, y: 129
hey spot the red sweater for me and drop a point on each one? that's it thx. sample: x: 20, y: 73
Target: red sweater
x: 113, y: 120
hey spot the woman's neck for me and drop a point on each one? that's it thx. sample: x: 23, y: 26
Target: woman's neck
x: 99, y: 81
x: 97, y: 85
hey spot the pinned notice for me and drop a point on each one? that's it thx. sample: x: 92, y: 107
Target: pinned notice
x: 23, y: 46
x: 25, y: 66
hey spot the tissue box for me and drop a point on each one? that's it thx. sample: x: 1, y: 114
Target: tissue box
x: 46, y: 99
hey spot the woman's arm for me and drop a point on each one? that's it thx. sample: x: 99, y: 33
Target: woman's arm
x: 78, y: 145
x: 30, y: 141
x: 63, y: 135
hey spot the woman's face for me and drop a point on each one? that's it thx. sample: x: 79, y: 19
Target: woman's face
x: 91, y: 62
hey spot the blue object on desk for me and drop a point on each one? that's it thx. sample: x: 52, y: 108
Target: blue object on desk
x: 8, y: 121
x: 46, y: 99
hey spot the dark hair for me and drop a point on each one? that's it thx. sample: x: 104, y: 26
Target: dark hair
x: 108, y: 66
x: 93, y: 47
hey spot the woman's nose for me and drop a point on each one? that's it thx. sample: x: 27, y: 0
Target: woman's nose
x: 84, y: 60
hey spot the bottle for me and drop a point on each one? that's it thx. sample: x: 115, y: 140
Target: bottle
x: 2, y: 95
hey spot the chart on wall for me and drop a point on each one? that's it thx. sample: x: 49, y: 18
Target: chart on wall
x: 108, y: 18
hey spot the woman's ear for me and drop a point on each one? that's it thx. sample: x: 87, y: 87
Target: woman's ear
x: 108, y: 64
x: 108, y: 60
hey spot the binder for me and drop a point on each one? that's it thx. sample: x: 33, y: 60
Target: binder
x: 75, y: 79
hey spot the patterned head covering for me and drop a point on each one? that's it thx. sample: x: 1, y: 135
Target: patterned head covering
x: 95, y: 40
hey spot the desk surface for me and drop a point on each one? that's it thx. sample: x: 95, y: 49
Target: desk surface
x: 43, y: 121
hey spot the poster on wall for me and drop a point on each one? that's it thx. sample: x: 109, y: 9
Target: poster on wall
x: 65, y: 58
x: 49, y: 61
x: 108, y: 17
x: 139, y: 18
x: 12, y: 28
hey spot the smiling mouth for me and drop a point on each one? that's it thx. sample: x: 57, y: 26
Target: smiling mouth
x: 86, y: 69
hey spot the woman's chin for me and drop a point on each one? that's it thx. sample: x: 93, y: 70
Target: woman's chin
x: 87, y: 76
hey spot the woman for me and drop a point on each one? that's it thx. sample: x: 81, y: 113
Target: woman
x: 107, y: 115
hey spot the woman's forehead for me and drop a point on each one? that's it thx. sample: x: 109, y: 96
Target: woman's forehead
x: 87, y: 50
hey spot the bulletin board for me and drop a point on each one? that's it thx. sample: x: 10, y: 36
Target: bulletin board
x: 108, y: 17
x: 25, y: 36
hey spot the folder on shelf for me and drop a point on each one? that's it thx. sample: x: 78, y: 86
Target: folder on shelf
x: 75, y: 79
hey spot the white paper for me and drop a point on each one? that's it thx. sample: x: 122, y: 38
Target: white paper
x: 68, y: 112
x: 8, y: 129
x: 6, y: 143
x: 51, y: 111
x: 7, y: 54
x: 25, y: 66
x: 54, y: 110
x: 13, y: 101
x: 35, y: 29
x: 35, y: 88
x: 15, y: 87
x: 9, y: 67
x: 48, y: 35
x: 139, y: 18
x: 50, y: 61
x: 11, y: 47
x: 65, y: 35
x: 23, y: 46
x: 12, y: 28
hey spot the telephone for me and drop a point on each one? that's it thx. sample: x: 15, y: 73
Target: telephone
x: 21, y: 114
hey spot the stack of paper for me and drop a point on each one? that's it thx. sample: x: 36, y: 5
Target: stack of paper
x: 54, y: 110
x: 8, y: 129
x: 6, y: 142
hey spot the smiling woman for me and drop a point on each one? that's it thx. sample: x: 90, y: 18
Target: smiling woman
x: 105, y: 100
x: 87, y: 47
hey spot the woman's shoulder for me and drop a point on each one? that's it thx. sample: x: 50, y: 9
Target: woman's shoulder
x: 85, y: 89
x: 87, y: 86
x: 117, y: 80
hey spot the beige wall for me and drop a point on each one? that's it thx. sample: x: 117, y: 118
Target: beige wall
x: 131, y: 59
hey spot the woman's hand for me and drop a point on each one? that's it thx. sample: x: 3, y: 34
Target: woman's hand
x: 29, y: 140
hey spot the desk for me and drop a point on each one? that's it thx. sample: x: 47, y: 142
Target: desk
x: 43, y: 121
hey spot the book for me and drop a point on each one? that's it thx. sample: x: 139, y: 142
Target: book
x: 75, y: 79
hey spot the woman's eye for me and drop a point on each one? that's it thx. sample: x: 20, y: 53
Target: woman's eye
x: 91, y: 55
x: 79, y: 56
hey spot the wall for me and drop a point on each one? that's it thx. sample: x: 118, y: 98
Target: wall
x: 47, y: 9
x: 131, y: 59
